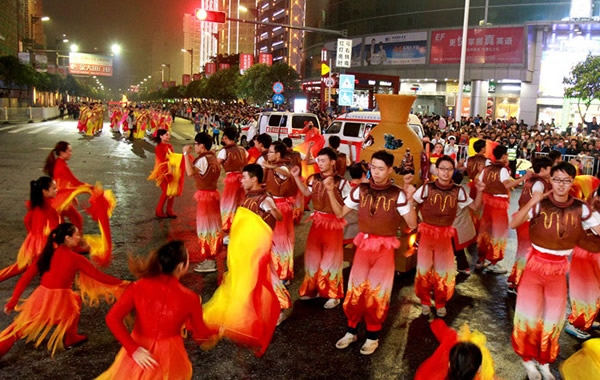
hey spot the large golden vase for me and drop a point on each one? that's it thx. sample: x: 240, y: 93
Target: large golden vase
x: 394, y: 134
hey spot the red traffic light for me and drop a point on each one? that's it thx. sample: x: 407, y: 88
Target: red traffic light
x: 210, y: 16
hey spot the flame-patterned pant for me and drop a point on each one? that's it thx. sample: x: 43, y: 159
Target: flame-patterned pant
x: 540, y: 311
x: 584, y: 288
x: 231, y: 199
x: 282, y: 251
x: 493, y: 228
x: 523, y: 247
x: 208, y: 225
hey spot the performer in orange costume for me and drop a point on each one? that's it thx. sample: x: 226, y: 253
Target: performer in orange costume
x: 324, y: 253
x: 41, y: 218
x: 53, y: 303
x: 206, y: 170
x: 556, y: 225
x: 233, y: 158
x: 163, y: 175
x: 57, y: 168
x: 154, y: 350
x: 381, y: 206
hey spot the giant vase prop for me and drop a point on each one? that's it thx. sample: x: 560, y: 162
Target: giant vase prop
x: 394, y: 134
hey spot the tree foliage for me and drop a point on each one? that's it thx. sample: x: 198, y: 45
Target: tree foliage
x: 583, y: 83
x: 257, y: 82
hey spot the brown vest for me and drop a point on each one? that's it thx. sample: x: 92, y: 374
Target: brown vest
x: 590, y: 242
x: 252, y: 202
x: 527, y: 193
x: 340, y: 163
x: 236, y: 158
x: 557, y: 226
x: 377, y: 214
x: 475, y: 165
x: 440, y: 204
x: 320, y: 198
x: 208, y: 181
x: 491, y: 178
x: 295, y: 158
x: 280, y: 187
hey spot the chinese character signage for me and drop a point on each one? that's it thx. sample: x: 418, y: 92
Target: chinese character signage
x: 185, y: 80
x: 210, y: 68
x: 165, y: 84
x: 265, y: 58
x: 223, y: 66
x: 343, y: 57
x: 246, y: 61
x: 90, y: 64
x: 396, y: 49
x: 197, y: 76
x: 484, y: 45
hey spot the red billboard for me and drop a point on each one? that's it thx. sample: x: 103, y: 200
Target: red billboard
x: 185, y: 79
x: 265, y: 58
x: 210, y: 68
x: 197, y: 77
x: 484, y: 45
x: 224, y: 66
x: 246, y: 61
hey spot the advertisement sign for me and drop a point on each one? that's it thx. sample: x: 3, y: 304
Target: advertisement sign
x: 246, y: 61
x: 265, y: 58
x: 484, y: 45
x: 581, y: 9
x: 224, y: 66
x: 343, y: 53
x: 210, y: 68
x: 197, y: 77
x: 331, y: 52
x: 396, y: 49
x: 41, y: 63
x: 186, y: 79
x: 136, y: 88
x: 90, y: 64
x: 24, y: 58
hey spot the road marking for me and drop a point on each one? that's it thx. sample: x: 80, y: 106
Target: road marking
x: 176, y: 136
x: 35, y: 131
x: 9, y: 127
x: 23, y: 129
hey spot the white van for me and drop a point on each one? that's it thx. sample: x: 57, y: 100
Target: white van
x: 286, y: 124
x: 353, y: 127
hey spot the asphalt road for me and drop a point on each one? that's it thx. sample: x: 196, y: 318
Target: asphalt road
x: 303, y: 347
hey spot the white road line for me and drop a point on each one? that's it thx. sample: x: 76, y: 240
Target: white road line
x: 9, y: 127
x: 177, y: 136
x: 44, y: 127
x: 23, y: 129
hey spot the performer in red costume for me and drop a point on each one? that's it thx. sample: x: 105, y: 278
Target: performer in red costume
x: 475, y: 165
x: 206, y: 170
x: 53, y: 303
x: 154, y: 350
x: 298, y: 201
x: 263, y: 143
x: 163, y: 175
x: 260, y: 202
x: 381, y: 206
x: 557, y: 223
x: 540, y: 183
x: 439, y: 202
x: 57, y: 168
x: 342, y: 161
x: 41, y: 218
x: 493, y: 228
x: 233, y: 158
x: 324, y: 253
x: 280, y: 184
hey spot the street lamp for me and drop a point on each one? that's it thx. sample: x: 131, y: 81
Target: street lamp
x: 116, y: 49
x: 34, y: 19
x: 74, y: 48
x: 191, y: 51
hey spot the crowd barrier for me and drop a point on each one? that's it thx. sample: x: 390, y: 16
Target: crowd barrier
x: 28, y: 114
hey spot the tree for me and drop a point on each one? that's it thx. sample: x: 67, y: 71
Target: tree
x: 583, y: 83
x: 257, y: 82
x: 222, y: 85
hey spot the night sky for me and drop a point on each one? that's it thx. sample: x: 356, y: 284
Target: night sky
x: 150, y: 32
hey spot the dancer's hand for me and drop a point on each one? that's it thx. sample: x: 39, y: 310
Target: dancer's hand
x: 329, y: 184
x: 480, y: 186
x: 538, y: 196
x: 8, y: 309
x: 295, y: 171
x: 144, y: 359
x: 187, y: 149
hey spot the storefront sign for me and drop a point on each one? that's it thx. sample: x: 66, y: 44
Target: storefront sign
x: 90, y: 64
x: 396, y: 49
x: 581, y: 9
x: 484, y: 45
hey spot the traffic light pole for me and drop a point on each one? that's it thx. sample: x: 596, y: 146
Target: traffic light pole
x: 343, y: 33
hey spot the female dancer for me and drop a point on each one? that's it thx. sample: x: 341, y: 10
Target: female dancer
x: 162, y: 174
x: 154, y: 350
x: 53, y: 303
x: 57, y: 168
x: 41, y: 218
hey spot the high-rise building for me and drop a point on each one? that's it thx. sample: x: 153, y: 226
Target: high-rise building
x: 199, y: 38
x: 9, y: 40
x: 283, y: 43
x: 237, y: 37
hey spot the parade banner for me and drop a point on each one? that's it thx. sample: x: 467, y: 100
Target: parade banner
x: 246, y: 61
x: 265, y: 58
x: 484, y: 45
x: 396, y: 49
x: 224, y: 66
x: 185, y: 79
x: 197, y: 77
x: 210, y: 68
x: 90, y: 64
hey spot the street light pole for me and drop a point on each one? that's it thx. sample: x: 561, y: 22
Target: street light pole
x: 463, y: 56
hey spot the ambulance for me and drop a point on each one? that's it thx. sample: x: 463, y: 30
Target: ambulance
x: 280, y: 125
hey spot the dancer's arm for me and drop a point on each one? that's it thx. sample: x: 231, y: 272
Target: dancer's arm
x: 20, y: 287
x: 303, y: 188
x: 85, y: 266
x: 522, y: 215
x: 340, y: 210
x: 200, y: 331
x: 116, y: 315
x: 476, y: 204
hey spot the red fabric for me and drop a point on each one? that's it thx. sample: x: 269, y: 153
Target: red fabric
x: 63, y: 267
x: 436, y: 366
x: 161, y: 152
x: 63, y: 176
x: 253, y: 155
x: 162, y: 306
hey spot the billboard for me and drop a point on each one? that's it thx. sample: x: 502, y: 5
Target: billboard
x: 90, y: 64
x: 396, y: 49
x: 484, y: 45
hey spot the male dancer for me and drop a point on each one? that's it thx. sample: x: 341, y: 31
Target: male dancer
x: 261, y: 203
x: 381, y: 206
x: 342, y: 160
x: 233, y: 158
x: 493, y: 228
x: 475, y: 165
x: 324, y: 254
x: 538, y: 183
x: 263, y: 143
x: 439, y: 202
x: 557, y: 222
x: 206, y: 170
x: 281, y: 186
x: 299, y: 202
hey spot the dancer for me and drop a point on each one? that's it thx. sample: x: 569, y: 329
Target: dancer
x: 56, y: 167
x: 372, y: 274
x: 41, y: 218
x: 53, y: 303
x: 164, y: 176
x: 299, y: 202
x: 263, y: 143
x: 475, y: 165
x: 324, y: 253
x: 282, y: 187
x: 493, y: 228
x: 540, y: 183
x: 542, y: 295
x: 233, y: 158
x: 342, y: 160
x: 439, y: 202
x: 465, y: 234
x: 206, y: 170
x: 154, y: 350
x: 262, y: 204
